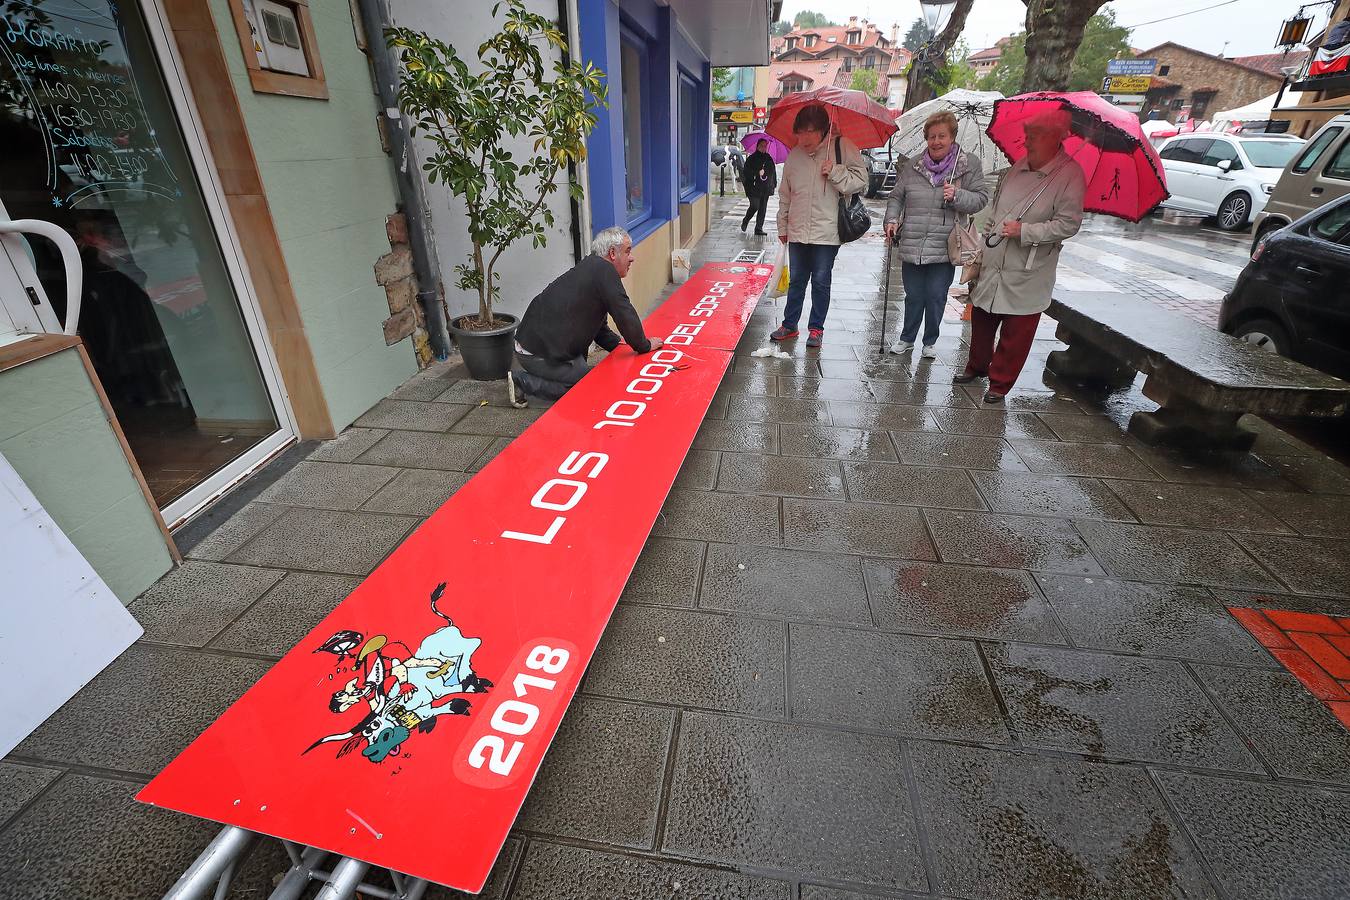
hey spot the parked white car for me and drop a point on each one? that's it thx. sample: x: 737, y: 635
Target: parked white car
x: 1228, y: 176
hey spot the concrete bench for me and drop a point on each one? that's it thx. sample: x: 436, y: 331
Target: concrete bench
x: 1202, y: 379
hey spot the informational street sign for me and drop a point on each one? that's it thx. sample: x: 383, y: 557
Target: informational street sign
x: 743, y: 117
x: 406, y: 729
x: 1127, y: 102
x: 1126, y: 84
x: 1132, y: 67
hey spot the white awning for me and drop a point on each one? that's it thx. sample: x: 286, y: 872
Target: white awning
x: 1252, y: 112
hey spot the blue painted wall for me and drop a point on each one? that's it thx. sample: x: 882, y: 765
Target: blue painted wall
x: 604, y: 25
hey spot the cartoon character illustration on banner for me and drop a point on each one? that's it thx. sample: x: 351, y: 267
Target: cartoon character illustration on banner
x: 402, y: 696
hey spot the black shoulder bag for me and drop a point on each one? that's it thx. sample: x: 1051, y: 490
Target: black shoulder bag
x: 854, y: 219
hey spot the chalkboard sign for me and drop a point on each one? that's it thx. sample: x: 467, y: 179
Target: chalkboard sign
x: 66, y: 73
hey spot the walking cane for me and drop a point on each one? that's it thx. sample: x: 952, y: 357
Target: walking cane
x: 885, y: 297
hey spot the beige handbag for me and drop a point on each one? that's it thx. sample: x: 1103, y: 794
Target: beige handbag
x: 965, y: 249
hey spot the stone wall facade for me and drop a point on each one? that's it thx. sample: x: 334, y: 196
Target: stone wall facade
x: 1193, y: 71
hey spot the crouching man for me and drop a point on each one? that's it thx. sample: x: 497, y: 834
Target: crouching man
x: 569, y: 315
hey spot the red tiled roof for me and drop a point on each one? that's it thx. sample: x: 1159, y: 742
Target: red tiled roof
x: 1271, y: 63
x: 870, y: 36
x: 990, y: 53
x: 816, y: 73
x: 899, y: 61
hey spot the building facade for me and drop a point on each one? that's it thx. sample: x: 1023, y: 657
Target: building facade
x: 809, y: 58
x: 1191, y: 84
x: 1311, y: 102
x: 220, y: 175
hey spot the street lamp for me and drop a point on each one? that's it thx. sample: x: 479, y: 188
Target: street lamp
x: 933, y: 13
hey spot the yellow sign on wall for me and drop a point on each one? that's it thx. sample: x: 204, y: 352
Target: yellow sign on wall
x: 743, y: 116
x: 1128, y: 84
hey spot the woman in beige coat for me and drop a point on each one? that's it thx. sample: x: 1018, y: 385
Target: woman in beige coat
x: 1038, y: 206
x: 808, y: 216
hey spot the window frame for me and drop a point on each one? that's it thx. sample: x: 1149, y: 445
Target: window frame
x: 642, y: 46
x: 1231, y: 146
x: 267, y: 81
x: 1342, y: 150
x: 686, y: 80
x: 1342, y: 232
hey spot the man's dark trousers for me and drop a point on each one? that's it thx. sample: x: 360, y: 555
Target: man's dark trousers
x: 759, y: 205
x: 549, y: 379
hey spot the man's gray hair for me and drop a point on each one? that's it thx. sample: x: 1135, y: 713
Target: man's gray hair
x: 609, y: 239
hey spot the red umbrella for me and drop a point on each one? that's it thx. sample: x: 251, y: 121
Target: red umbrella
x: 1124, y: 175
x: 853, y: 114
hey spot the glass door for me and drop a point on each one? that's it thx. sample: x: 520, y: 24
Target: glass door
x: 92, y: 142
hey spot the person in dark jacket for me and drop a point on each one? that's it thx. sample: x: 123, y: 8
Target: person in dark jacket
x: 569, y: 315
x: 760, y: 177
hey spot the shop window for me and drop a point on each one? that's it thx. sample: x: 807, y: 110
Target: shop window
x: 636, y: 127
x: 689, y: 130
x: 280, y: 49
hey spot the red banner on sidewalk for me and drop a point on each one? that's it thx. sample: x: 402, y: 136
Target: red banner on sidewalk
x: 406, y: 729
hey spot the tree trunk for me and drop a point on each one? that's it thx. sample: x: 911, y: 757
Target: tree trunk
x: 1054, y: 31
x: 918, y: 84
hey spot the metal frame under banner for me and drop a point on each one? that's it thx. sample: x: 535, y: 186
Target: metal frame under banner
x: 440, y: 681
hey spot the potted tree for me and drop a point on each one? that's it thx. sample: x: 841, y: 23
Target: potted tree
x: 478, y: 115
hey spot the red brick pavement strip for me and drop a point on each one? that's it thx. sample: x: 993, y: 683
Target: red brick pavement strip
x: 1313, y: 647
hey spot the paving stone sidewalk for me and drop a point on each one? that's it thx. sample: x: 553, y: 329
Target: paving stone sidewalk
x: 883, y: 642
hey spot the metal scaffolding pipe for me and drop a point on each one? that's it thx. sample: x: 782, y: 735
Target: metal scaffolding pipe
x: 293, y: 885
x: 228, y: 848
x: 344, y: 881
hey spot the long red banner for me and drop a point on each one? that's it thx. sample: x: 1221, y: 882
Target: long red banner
x: 407, y: 728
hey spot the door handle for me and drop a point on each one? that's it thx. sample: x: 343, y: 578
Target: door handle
x: 1309, y: 271
x: 1316, y: 191
x: 70, y: 258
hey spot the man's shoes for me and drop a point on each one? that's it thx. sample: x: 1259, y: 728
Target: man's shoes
x: 993, y: 397
x: 929, y: 352
x: 745, y: 225
x: 783, y: 333
x: 965, y: 377
x: 902, y: 347
x: 815, y: 337
x: 759, y: 233
x: 515, y: 393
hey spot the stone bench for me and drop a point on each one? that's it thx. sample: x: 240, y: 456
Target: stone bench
x: 1202, y: 379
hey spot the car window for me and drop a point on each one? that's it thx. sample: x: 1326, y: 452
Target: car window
x: 1271, y: 154
x: 1220, y: 151
x: 1190, y: 150
x: 1333, y: 223
x: 1339, y: 167
x: 1315, y: 150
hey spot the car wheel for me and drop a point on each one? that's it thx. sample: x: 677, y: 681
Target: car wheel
x: 1268, y: 228
x: 1265, y: 334
x: 1234, y: 211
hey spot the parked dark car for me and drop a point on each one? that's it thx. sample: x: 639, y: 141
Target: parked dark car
x: 1293, y: 297
x: 881, y: 172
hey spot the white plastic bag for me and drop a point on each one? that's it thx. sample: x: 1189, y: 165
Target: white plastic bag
x: 777, y: 283
x: 680, y: 263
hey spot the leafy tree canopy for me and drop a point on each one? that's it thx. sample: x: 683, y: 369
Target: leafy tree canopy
x: 809, y: 19
x: 865, y: 80
x: 919, y: 34
x: 1103, y: 40
x: 780, y: 28
x: 721, y: 83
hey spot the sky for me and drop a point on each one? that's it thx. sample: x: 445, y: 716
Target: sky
x: 1238, y: 28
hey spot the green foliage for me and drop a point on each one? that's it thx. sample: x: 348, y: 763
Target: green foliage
x: 808, y: 19
x: 958, y: 73
x: 865, y: 80
x: 471, y: 114
x: 919, y: 34
x: 1103, y: 40
x: 721, y: 83
x: 780, y: 28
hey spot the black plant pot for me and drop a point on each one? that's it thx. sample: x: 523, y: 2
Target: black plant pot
x: 487, y: 354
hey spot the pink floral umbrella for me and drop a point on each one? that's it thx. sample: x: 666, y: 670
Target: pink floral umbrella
x: 777, y: 150
x: 1124, y: 174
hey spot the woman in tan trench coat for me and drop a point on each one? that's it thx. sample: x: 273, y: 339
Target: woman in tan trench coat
x: 1038, y: 206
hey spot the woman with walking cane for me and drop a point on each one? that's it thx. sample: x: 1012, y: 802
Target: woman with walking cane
x: 930, y: 194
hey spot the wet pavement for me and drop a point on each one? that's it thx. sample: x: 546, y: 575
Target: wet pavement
x: 883, y: 642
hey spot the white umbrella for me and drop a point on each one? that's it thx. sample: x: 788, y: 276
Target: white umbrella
x: 973, y: 110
